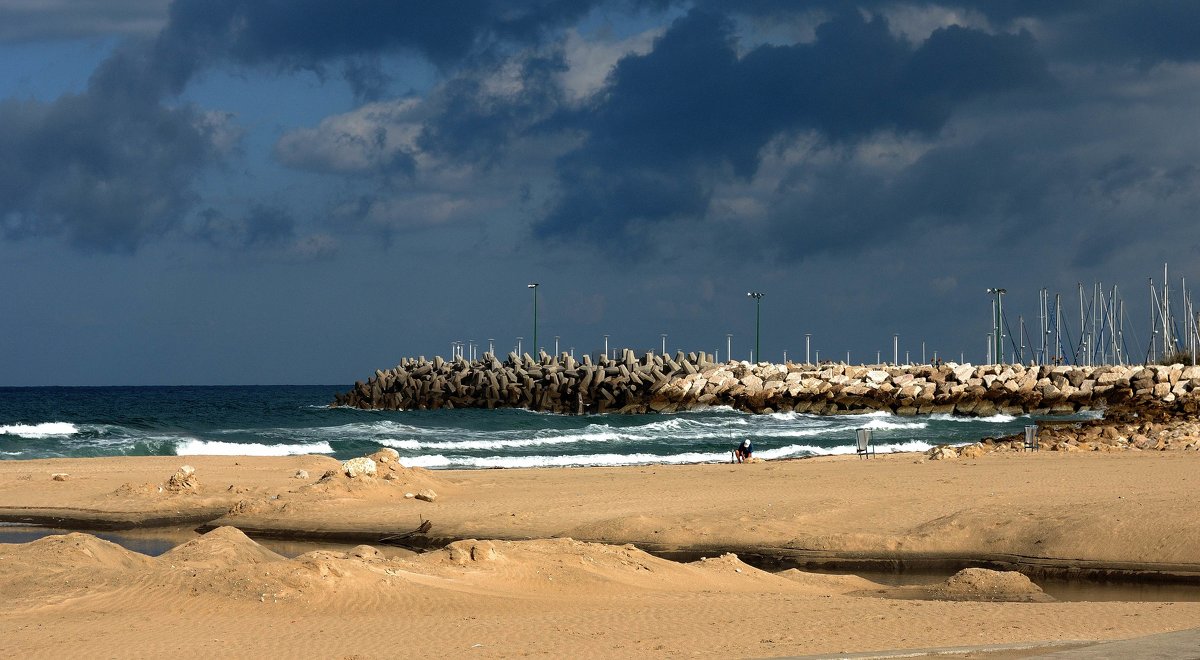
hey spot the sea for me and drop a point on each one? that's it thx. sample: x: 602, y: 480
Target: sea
x: 57, y: 422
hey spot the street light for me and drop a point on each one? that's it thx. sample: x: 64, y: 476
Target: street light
x: 998, y: 321
x: 757, y: 320
x: 807, y: 338
x: 664, y: 345
x: 491, y: 347
x: 605, y: 347
x: 555, y: 345
x: 534, y: 287
x: 519, y: 352
x: 729, y: 347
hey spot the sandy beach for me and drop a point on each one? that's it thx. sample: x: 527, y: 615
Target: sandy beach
x: 554, y: 562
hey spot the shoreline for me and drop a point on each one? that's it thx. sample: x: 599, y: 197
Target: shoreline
x: 102, y: 494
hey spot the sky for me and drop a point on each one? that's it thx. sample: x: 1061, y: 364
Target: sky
x: 268, y: 192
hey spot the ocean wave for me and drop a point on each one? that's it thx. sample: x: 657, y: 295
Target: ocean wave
x: 999, y: 418
x: 879, y: 424
x: 873, y: 413
x: 382, y: 427
x: 194, y: 447
x: 910, y: 446
x: 711, y: 409
x: 600, y: 460
x: 43, y: 430
x: 581, y: 460
x: 795, y: 451
x: 503, y: 444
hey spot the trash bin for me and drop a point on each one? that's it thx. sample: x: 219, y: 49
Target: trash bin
x: 1031, y: 438
x: 864, y: 447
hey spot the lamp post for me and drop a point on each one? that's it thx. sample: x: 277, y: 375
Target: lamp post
x: 605, y: 347
x: 555, y: 345
x: 491, y: 347
x: 519, y: 352
x: 664, y: 343
x: 757, y: 296
x: 729, y: 347
x: 807, y: 343
x: 534, y: 286
x: 998, y: 322
x: 895, y: 349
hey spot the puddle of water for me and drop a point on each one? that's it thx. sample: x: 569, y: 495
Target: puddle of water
x: 154, y: 542
x: 1062, y: 589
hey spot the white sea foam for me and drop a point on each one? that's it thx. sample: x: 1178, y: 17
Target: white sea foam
x: 583, y: 460
x: 194, y: 447
x: 911, y: 445
x: 879, y: 424
x: 796, y: 451
x: 591, y: 460
x: 43, y: 430
x: 435, y: 461
x: 873, y: 413
x: 411, y: 445
x: 465, y: 445
x: 711, y: 409
x: 1000, y: 418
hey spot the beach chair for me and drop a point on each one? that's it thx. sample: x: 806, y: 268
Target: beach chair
x: 864, y: 448
x: 1031, y: 438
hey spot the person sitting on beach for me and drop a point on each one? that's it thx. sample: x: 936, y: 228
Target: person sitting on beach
x: 742, y: 453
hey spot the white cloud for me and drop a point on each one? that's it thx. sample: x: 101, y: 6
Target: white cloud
x: 366, y: 139
x: 589, y: 62
x: 915, y: 23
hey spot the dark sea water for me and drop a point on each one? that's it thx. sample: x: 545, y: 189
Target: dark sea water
x: 281, y: 420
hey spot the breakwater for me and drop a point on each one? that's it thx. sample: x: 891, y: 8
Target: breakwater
x: 657, y: 383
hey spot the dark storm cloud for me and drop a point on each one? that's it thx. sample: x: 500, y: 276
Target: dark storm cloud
x: 30, y: 21
x: 987, y: 184
x: 1030, y: 197
x: 1146, y: 32
x: 116, y: 164
x: 366, y: 78
x: 263, y: 226
x: 310, y: 34
x: 670, y: 122
x: 106, y: 168
x: 469, y: 123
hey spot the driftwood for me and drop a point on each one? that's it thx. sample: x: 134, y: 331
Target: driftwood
x: 398, y: 539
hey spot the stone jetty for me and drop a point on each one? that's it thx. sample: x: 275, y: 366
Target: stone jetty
x: 663, y: 383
